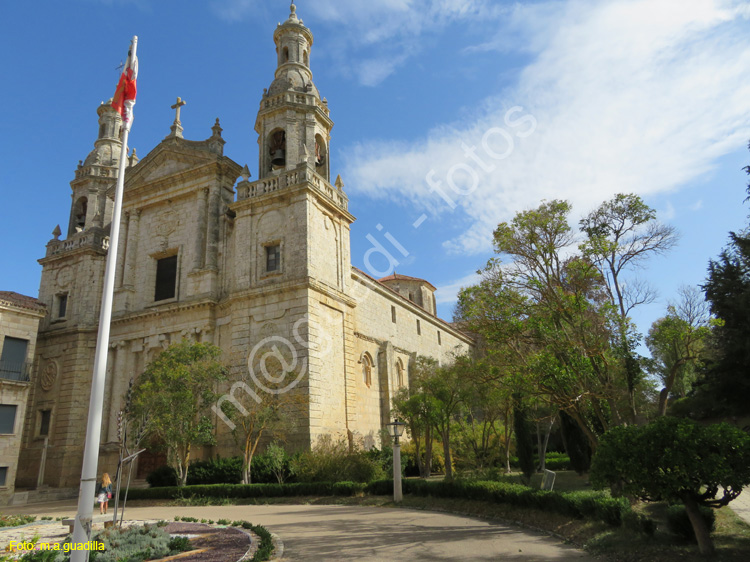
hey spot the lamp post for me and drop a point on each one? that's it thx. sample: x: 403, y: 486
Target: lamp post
x: 396, y: 430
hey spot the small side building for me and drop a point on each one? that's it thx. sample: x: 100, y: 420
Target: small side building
x: 19, y: 322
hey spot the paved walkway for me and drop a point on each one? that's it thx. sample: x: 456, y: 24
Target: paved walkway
x: 329, y: 532
x: 741, y: 506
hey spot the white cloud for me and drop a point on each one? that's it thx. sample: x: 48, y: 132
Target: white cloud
x: 447, y: 294
x: 697, y: 206
x: 629, y: 97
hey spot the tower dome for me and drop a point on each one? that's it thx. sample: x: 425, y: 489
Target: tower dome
x: 293, y: 42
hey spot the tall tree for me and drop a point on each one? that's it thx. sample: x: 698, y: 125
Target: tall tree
x: 256, y: 413
x: 621, y: 234
x: 563, y: 312
x: 419, y: 410
x: 727, y: 384
x: 677, y: 341
x: 175, y: 393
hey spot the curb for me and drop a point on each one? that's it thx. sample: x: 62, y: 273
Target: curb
x: 278, y: 548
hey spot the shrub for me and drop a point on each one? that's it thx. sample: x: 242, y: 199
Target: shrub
x: 678, y: 461
x: 557, y: 461
x: 162, y: 476
x: 679, y: 523
x: 15, y: 520
x: 638, y: 523
x: 409, y: 459
x: 215, y: 471
x: 179, y: 544
x: 332, y: 461
x: 278, y: 462
x: 135, y: 544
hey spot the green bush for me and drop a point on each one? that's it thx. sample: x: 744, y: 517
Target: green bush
x: 638, y: 523
x: 15, y: 520
x: 215, y: 471
x: 679, y: 523
x: 348, y: 488
x: 162, y: 476
x: 332, y: 461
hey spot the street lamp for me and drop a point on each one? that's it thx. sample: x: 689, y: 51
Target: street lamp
x: 396, y: 430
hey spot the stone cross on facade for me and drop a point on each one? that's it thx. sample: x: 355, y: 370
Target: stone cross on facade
x: 176, y: 107
x: 176, y: 127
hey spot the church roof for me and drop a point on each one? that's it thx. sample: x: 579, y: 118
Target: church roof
x: 451, y: 325
x: 22, y: 301
x: 398, y: 277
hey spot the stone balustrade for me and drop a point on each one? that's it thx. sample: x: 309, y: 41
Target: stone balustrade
x: 269, y: 102
x: 94, y: 238
x: 249, y: 190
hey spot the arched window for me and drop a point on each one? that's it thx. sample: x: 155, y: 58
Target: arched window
x: 399, y: 374
x: 102, y: 130
x: 367, y: 365
x: 305, y: 58
x: 285, y: 55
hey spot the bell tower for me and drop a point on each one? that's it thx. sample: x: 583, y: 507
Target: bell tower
x: 90, y: 205
x: 292, y: 223
x: 293, y: 124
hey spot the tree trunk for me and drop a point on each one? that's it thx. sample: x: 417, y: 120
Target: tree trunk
x: 663, y: 396
x: 418, y: 452
x: 543, y: 445
x: 184, y: 467
x: 668, y: 384
x: 702, y: 535
x: 447, y: 454
x: 427, y: 468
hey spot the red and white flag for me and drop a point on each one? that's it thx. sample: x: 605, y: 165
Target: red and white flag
x: 124, y: 99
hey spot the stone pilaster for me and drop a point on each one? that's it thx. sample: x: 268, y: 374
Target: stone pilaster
x: 200, y: 230
x: 132, y: 249
x: 212, y: 228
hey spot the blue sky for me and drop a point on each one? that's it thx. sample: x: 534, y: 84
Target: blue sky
x: 651, y: 97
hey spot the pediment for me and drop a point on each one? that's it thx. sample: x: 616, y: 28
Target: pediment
x: 164, y: 162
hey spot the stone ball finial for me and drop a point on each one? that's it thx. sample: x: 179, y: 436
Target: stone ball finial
x: 293, y: 8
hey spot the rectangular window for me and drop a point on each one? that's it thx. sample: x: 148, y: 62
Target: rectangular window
x: 166, y: 278
x: 393, y: 314
x: 62, y: 305
x: 3, y: 475
x: 273, y: 258
x: 419, y: 328
x: 8, y: 418
x: 13, y: 358
x: 439, y: 342
x: 45, y: 416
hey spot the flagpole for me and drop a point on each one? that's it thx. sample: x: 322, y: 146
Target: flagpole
x: 86, y: 491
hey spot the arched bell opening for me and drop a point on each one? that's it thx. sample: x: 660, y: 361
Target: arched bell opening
x: 305, y: 58
x: 285, y: 55
x: 277, y: 149
x: 80, y: 210
x: 321, y: 156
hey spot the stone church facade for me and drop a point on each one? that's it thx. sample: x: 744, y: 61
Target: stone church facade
x: 209, y: 255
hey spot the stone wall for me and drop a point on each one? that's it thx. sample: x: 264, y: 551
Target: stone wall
x: 16, y: 321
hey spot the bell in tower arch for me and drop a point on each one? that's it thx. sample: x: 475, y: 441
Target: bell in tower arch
x: 277, y: 149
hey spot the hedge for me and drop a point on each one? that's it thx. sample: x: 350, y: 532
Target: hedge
x: 591, y: 504
x: 583, y: 504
